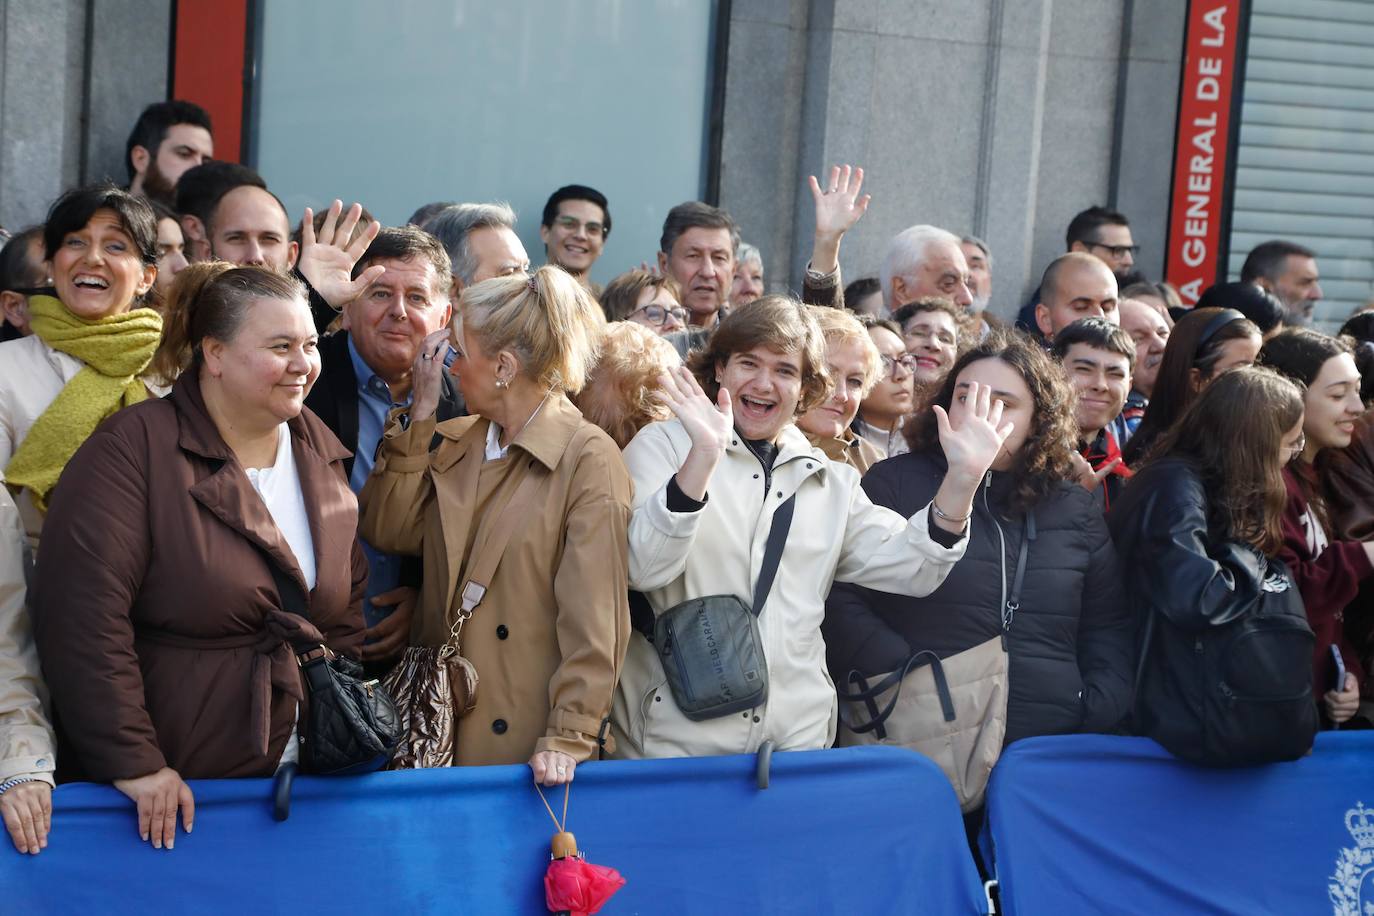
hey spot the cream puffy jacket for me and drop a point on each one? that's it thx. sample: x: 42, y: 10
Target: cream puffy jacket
x: 26, y: 738
x: 836, y: 534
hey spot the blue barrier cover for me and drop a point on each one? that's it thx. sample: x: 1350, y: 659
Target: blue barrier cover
x: 1097, y: 824
x: 855, y: 830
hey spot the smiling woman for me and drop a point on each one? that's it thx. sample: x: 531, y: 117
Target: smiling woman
x: 228, y: 483
x: 91, y: 343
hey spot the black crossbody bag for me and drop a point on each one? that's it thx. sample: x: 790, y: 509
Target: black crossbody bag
x: 352, y: 725
x: 711, y: 649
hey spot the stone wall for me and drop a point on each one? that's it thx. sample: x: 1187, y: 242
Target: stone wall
x: 1000, y: 118
x: 74, y: 75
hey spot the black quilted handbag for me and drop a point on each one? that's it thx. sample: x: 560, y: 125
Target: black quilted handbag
x: 352, y: 725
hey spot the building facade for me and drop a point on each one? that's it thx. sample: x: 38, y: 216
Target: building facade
x: 997, y: 118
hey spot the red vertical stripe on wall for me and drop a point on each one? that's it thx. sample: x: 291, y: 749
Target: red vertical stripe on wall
x: 208, y: 66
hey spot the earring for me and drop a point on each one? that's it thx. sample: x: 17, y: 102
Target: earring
x: 500, y: 383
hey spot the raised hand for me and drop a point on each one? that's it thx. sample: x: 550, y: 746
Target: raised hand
x: 708, y: 425
x: 972, y: 446
x: 838, y: 205
x: 838, y: 208
x: 426, y: 379
x: 327, y: 262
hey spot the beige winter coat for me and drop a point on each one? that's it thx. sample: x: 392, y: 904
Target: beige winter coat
x: 26, y: 738
x: 836, y: 534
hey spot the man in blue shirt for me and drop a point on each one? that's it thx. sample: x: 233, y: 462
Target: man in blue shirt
x: 396, y: 293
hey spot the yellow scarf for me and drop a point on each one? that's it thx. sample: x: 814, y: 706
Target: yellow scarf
x: 115, y: 350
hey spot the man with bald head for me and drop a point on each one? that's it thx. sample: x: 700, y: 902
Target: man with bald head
x: 1075, y: 285
x: 924, y: 261
x: 249, y: 227
x: 1150, y: 334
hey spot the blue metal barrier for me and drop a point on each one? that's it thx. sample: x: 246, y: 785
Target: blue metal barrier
x: 856, y: 830
x: 1096, y: 824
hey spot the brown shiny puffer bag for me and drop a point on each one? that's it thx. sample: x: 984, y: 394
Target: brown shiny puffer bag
x: 432, y: 688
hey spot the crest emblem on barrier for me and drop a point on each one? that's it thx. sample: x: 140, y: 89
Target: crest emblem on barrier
x: 1352, y: 886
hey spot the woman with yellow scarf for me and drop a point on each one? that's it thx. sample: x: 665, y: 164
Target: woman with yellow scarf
x: 91, y: 343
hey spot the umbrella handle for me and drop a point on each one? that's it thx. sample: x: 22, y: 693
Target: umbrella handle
x: 281, y: 791
x: 764, y: 763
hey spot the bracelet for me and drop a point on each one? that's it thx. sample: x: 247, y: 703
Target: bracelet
x: 935, y: 507
x: 16, y: 781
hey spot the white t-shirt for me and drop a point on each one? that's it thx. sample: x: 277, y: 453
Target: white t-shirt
x: 280, y: 489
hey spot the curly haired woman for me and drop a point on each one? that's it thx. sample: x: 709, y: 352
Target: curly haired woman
x: 1069, y: 640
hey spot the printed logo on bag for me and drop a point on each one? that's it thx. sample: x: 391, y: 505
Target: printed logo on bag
x: 1352, y: 886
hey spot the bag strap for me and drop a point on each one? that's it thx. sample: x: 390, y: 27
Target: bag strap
x: 867, y: 695
x: 1019, y: 578
x: 490, y: 551
x: 289, y: 590
x: 772, y: 552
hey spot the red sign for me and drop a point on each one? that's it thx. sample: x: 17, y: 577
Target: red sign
x: 1201, y: 146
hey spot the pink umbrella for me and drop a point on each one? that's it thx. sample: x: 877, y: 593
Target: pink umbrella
x: 573, y: 885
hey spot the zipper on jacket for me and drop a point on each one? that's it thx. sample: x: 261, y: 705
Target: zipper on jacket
x: 1002, y: 556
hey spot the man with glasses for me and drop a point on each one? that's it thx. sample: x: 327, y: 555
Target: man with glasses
x: 366, y: 371
x: 22, y: 274
x: 574, y: 228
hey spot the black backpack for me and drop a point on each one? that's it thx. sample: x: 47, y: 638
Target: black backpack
x: 1234, y: 694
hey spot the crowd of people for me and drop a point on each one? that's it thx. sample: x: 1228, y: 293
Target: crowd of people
x: 204, y: 406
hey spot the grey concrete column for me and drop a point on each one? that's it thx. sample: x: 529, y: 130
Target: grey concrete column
x: 764, y: 91
x: 42, y: 74
x: 130, y: 46
x: 1148, y: 113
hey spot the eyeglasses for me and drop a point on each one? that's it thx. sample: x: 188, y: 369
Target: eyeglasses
x: 890, y: 365
x: 658, y: 315
x: 1296, y: 448
x: 572, y: 224
x: 944, y: 338
x: 1117, y: 251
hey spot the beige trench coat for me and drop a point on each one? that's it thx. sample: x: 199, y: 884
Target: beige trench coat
x: 549, y: 638
x: 26, y: 738
x: 850, y: 448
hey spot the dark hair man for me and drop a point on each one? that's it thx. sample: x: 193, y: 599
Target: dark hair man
x: 198, y: 191
x: 1106, y: 235
x: 1098, y: 358
x: 401, y: 285
x: 1289, y: 271
x: 22, y: 274
x: 168, y: 138
x: 574, y: 228
x: 698, y: 249
x: 249, y: 226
